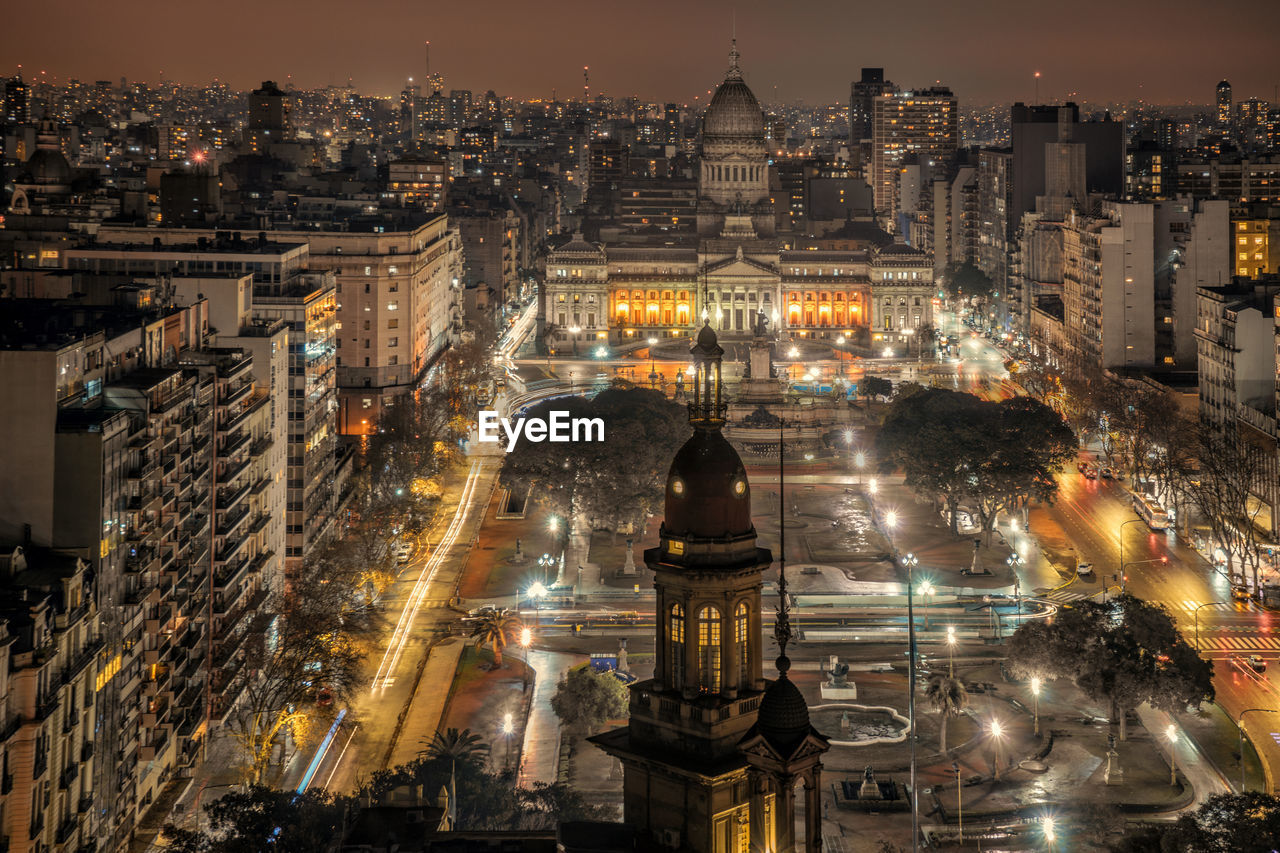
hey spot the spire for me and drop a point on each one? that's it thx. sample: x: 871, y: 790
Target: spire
x: 734, y: 72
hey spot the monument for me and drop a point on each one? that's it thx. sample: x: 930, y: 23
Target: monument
x: 763, y: 412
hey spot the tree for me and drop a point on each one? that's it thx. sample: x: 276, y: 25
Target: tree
x: 612, y: 482
x: 965, y: 281
x: 949, y: 699
x: 305, y: 646
x: 460, y: 746
x: 413, y: 441
x: 1125, y: 652
x: 1248, y: 822
x: 496, y: 629
x: 263, y: 818
x: 875, y: 386
x: 588, y: 698
x: 958, y: 448
x: 1231, y: 471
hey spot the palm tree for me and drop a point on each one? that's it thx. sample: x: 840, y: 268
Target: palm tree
x: 948, y: 697
x: 465, y: 746
x: 497, y: 629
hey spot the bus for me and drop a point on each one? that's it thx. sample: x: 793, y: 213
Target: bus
x: 1150, y: 512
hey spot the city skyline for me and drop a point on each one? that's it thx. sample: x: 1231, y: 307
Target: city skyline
x: 1174, y: 64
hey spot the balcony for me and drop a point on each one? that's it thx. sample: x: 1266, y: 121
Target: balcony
x: 231, y: 549
x: 65, y: 830
x: 68, y: 776
x: 86, y: 751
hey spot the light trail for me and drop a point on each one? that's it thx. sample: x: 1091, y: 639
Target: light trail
x: 400, y: 637
x: 320, y: 751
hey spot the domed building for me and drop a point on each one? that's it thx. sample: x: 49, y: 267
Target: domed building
x: 733, y: 268
x: 734, y: 175
x: 713, y: 750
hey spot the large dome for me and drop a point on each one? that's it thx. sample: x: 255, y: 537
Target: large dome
x: 734, y: 110
x: 708, y: 496
x: 784, y: 715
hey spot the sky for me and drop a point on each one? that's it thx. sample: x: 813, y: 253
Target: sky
x: 1174, y: 51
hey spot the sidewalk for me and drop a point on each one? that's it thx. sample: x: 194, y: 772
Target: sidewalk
x: 426, y: 708
x: 540, y: 756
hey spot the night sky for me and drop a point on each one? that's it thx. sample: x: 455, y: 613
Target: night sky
x: 1173, y: 51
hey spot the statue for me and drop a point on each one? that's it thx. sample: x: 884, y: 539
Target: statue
x: 837, y: 675
x: 761, y: 326
x: 869, y: 789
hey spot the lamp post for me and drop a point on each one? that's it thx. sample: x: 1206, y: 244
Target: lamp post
x: 653, y: 370
x: 1196, y: 614
x: 1171, y: 733
x: 909, y: 562
x: 1035, y: 699
x: 508, y: 729
x: 1240, y: 732
x: 955, y: 765
x: 951, y: 651
x: 860, y: 460
x: 1050, y: 832
x: 927, y: 591
x: 1123, y: 579
x: 536, y: 591
x: 526, y: 638
x: 996, y: 730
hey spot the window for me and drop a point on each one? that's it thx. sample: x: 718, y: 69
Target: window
x: 368, y: 404
x: 368, y: 271
x: 393, y: 269
x: 675, y: 633
x: 393, y: 323
x: 366, y: 288
x: 709, y: 650
x: 740, y: 633
x: 395, y: 359
x: 392, y: 306
x: 393, y: 342
x: 366, y: 343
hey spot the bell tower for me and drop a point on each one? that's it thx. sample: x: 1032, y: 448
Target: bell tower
x: 686, y: 783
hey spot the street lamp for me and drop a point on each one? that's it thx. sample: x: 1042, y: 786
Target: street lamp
x: 1123, y: 579
x: 653, y: 371
x: 891, y: 520
x: 910, y: 562
x: 508, y: 729
x: 873, y: 486
x: 927, y: 590
x: 1035, y: 698
x: 1196, y: 614
x: 955, y: 765
x: 996, y: 730
x: 1171, y: 733
x: 1240, y: 732
x: 951, y: 650
x: 536, y: 591
x: 526, y: 637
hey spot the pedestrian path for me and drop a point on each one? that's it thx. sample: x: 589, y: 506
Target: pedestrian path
x: 1070, y: 594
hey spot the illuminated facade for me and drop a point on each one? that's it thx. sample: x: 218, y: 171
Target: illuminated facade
x: 736, y: 269
x: 922, y: 124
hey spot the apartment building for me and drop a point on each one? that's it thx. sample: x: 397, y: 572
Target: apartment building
x: 920, y: 124
x: 49, y: 646
x: 284, y: 290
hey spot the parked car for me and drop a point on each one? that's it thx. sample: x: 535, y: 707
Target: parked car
x: 1085, y: 570
x: 1256, y: 663
x: 1106, y: 473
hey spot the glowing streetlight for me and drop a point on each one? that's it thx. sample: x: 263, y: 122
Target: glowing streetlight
x: 1035, y: 695
x: 553, y: 524
x: 891, y: 519
x: 840, y: 340
x: 1046, y: 822
x: 873, y: 486
x: 526, y: 638
x: 951, y: 650
x: 996, y: 730
x: 927, y: 589
x: 793, y: 353
x: 888, y: 352
x: 1171, y: 733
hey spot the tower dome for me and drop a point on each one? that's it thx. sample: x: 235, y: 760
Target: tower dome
x: 734, y: 110
x: 784, y: 715
x: 707, y: 492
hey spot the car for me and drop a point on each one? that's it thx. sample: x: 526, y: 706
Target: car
x: 1240, y: 593
x: 1090, y: 473
x: 1106, y: 473
x: 1084, y: 570
x: 486, y: 610
x: 1256, y: 663
x: 1082, y: 466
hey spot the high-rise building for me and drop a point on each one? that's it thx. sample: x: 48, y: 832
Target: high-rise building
x: 16, y: 107
x: 1256, y: 248
x: 921, y: 123
x: 1222, y: 100
x: 1032, y: 128
x: 862, y: 94
x: 268, y: 117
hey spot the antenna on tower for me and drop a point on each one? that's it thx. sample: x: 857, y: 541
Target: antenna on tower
x: 428, y: 51
x: 586, y: 84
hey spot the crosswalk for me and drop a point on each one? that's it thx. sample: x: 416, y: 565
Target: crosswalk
x: 1239, y: 643
x: 1068, y: 595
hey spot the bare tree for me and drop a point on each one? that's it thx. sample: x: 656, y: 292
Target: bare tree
x: 1231, y: 469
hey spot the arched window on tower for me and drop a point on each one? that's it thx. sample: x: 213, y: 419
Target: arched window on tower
x: 740, y: 634
x: 675, y: 634
x: 709, y: 650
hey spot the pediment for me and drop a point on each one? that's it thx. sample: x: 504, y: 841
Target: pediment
x: 743, y: 267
